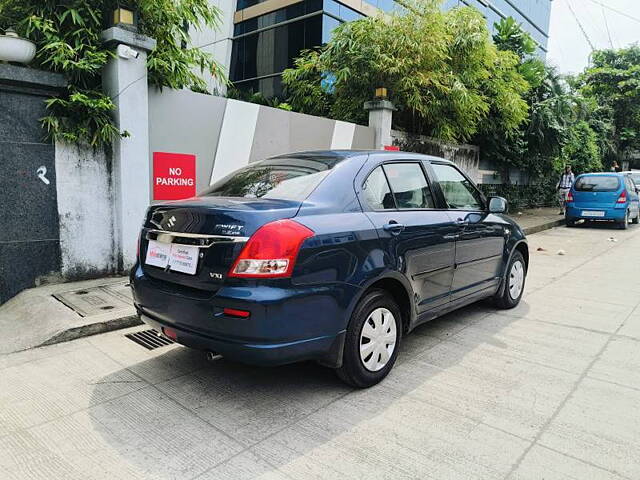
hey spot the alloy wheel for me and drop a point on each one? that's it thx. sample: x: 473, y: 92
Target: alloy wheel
x: 378, y: 339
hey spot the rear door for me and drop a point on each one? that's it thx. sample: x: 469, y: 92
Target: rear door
x: 418, y: 239
x: 480, y: 238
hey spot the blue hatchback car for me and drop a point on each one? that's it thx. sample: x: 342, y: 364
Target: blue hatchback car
x: 330, y: 256
x: 603, y: 196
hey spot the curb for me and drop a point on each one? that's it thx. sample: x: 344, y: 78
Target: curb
x: 93, y: 329
x: 543, y: 226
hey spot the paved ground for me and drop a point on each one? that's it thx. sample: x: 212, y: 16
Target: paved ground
x: 549, y: 390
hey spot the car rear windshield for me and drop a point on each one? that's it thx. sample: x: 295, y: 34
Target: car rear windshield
x: 597, y: 183
x: 277, y: 178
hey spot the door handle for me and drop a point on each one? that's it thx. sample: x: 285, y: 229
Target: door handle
x: 393, y: 227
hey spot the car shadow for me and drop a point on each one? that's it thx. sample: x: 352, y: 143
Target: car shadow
x: 217, y: 413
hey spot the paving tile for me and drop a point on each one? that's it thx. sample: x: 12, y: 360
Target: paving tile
x: 631, y: 326
x: 49, y: 388
x: 619, y: 363
x: 479, y: 383
x: 159, y: 437
x: 542, y: 463
x: 245, y: 466
x: 600, y: 425
x: 589, y: 314
x: 549, y: 344
x: 153, y: 366
x: 141, y: 435
x: 373, y: 434
x: 251, y: 403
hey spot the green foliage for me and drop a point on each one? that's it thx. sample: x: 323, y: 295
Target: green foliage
x: 537, y: 194
x: 613, y: 82
x: 581, y: 149
x: 441, y: 69
x: 67, y: 36
x: 537, y: 143
x: 174, y: 63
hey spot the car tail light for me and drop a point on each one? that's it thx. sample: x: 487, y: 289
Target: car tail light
x: 271, y: 251
x: 623, y: 197
x: 569, y: 197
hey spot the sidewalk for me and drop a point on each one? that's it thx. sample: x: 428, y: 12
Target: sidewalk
x: 62, y: 312
x: 66, y: 311
x: 538, y: 219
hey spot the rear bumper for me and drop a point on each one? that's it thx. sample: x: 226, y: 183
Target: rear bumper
x: 575, y: 212
x: 286, y: 325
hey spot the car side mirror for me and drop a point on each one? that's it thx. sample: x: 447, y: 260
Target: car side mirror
x: 498, y: 205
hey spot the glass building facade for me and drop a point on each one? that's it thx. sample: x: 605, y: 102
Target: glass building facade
x: 267, y: 43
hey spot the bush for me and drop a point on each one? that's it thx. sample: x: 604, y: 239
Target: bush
x: 67, y: 37
x: 542, y: 194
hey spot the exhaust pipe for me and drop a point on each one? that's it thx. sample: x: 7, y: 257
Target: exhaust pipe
x: 213, y: 356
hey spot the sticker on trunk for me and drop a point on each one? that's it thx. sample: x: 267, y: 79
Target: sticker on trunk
x: 179, y: 258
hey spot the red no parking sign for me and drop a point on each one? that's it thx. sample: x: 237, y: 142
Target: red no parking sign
x: 174, y: 176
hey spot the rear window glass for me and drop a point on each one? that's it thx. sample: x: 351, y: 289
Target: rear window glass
x: 278, y: 178
x: 593, y: 183
x: 636, y: 178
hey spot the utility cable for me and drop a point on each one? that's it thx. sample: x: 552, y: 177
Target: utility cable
x: 584, y: 32
x: 606, y: 24
x: 620, y: 12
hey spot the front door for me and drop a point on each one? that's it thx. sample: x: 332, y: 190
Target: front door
x: 417, y: 239
x: 481, y: 236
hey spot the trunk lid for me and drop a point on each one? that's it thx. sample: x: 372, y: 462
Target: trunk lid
x: 212, y: 230
x: 584, y: 199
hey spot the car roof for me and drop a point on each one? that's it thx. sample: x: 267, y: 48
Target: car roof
x: 346, y: 154
x: 602, y: 174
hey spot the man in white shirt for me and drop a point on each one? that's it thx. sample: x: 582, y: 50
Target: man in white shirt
x: 564, y: 185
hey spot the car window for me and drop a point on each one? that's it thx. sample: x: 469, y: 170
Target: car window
x: 376, y: 191
x: 279, y: 178
x: 409, y: 185
x: 597, y: 183
x: 458, y: 192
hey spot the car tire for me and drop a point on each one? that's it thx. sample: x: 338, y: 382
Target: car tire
x: 636, y: 220
x: 570, y: 222
x: 510, y: 293
x: 624, y: 224
x: 376, y: 306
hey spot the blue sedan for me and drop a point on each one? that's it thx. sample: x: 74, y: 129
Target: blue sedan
x: 330, y: 256
x: 603, y: 196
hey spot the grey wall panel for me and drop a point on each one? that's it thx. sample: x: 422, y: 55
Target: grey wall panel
x: 307, y: 132
x: 272, y: 134
x: 363, y: 138
x: 182, y: 121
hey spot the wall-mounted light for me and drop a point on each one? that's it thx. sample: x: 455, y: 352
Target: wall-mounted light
x: 381, y: 92
x: 124, y: 16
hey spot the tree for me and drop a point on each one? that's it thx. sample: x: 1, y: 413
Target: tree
x: 613, y: 81
x: 67, y: 37
x: 441, y: 69
x: 537, y: 143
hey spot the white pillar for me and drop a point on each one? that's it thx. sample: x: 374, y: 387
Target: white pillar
x: 380, y: 116
x: 125, y: 80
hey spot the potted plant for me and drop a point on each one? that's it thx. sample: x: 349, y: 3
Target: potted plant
x: 16, y: 49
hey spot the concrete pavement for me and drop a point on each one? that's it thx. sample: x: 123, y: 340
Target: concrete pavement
x: 548, y: 390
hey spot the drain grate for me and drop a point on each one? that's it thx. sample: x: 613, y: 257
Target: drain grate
x: 149, y: 339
